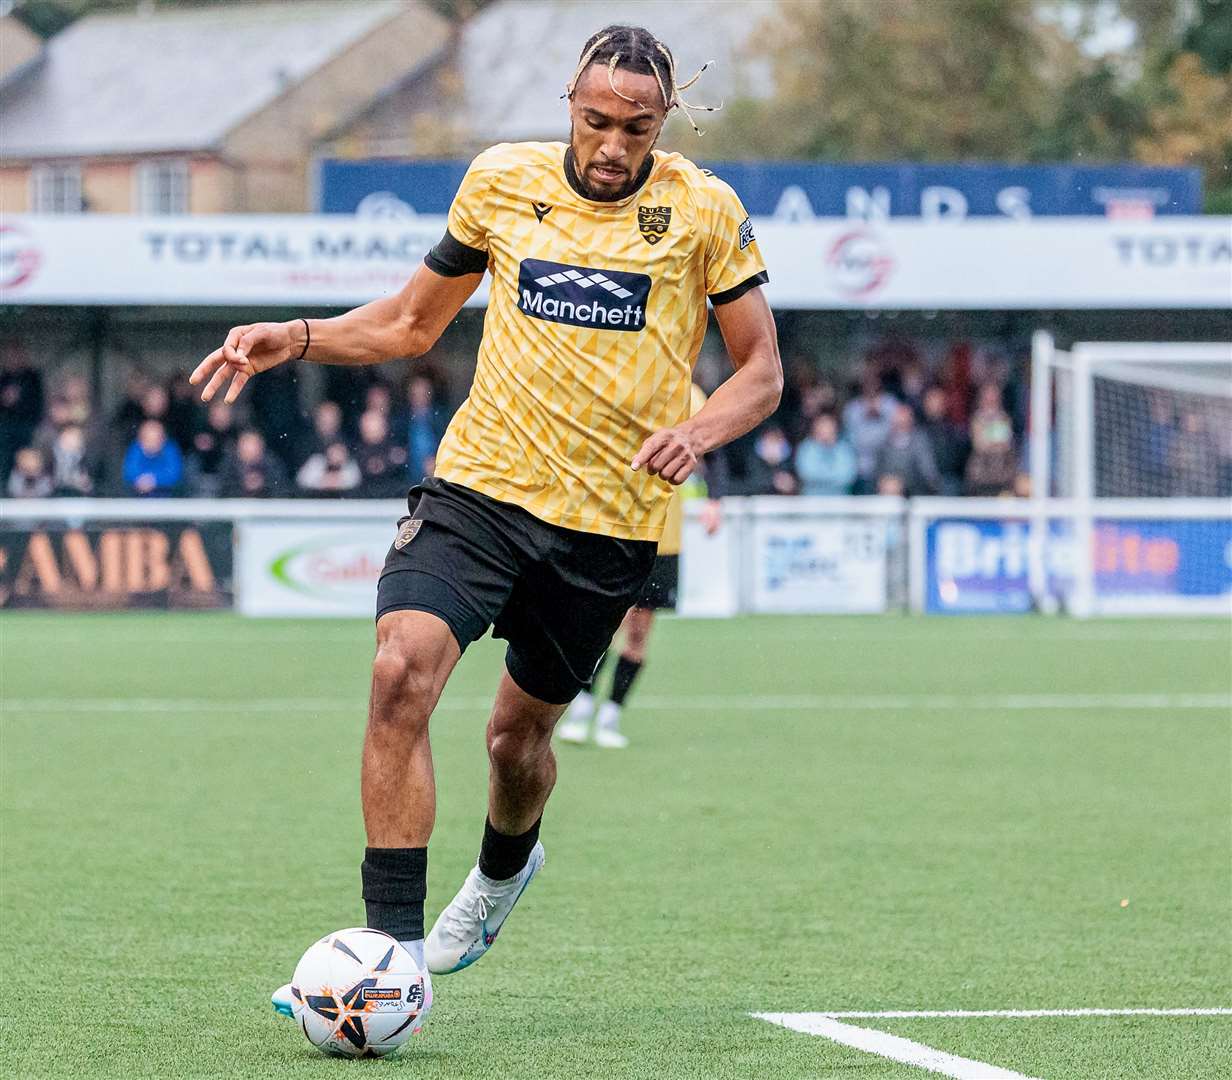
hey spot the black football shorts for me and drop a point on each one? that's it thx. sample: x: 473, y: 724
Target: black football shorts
x: 556, y: 595
x: 659, y: 592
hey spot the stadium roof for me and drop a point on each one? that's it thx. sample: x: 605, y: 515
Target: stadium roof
x: 515, y: 57
x: 173, y: 79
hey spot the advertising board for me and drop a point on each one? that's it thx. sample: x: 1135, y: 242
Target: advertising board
x: 1051, y: 263
x: 795, y: 191
x: 803, y: 565
x: 311, y: 568
x: 976, y: 566
x: 106, y: 565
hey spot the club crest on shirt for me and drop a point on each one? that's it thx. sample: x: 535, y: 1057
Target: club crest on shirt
x: 408, y: 532
x: 652, y: 222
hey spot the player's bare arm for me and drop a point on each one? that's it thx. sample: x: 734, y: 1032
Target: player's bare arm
x: 741, y: 403
x: 405, y: 325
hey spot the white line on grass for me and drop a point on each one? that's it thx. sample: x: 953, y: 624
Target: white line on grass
x: 830, y: 1025
x: 1013, y: 1014
x: 359, y: 631
x: 894, y: 1047
x: 725, y: 703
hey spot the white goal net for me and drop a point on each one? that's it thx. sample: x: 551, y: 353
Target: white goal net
x: 1131, y: 461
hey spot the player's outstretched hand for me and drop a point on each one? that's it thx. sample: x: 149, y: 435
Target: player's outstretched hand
x: 247, y: 351
x: 669, y: 453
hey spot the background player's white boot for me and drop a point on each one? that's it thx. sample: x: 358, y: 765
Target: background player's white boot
x: 575, y: 727
x: 468, y: 926
x: 607, y: 727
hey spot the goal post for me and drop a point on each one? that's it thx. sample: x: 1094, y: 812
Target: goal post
x: 1131, y: 463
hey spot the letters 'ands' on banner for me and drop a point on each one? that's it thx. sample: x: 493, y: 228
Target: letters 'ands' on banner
x: 100, y: 566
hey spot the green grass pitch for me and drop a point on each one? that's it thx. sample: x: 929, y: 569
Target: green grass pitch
x: 814, y: 815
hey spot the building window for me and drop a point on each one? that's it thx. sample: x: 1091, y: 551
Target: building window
x: 162, y: 187
x: 56, y: 189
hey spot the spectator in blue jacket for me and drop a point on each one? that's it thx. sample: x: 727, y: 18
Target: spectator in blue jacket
x: 866, y: 422
x: 153, y: 465
x: 825, y: 463
x: 425, y: 426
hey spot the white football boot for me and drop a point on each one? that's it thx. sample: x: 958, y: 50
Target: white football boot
x: 281, y: 1000
x: 468, y: 926
x: 575, y: 728
x: 607, y: 727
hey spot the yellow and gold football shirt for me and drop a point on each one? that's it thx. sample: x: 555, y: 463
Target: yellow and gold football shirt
x: 595, y: 317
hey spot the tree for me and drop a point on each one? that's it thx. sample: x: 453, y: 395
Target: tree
x: 1097, y: 118
x: 1193, y: 126
x: 877, y: 79
x: 1210, y: 35
x: 1006, y: 80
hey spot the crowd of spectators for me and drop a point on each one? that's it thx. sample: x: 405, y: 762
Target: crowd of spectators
x: 162, y: 441
x: 899, y: 430
x: 900, y: 426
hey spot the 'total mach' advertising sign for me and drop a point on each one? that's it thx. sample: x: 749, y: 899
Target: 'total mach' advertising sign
x: 901, y: 263
x: 310, y: 568
x: 98, y: 565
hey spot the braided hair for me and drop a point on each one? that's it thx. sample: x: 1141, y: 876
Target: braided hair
x: 636, y: 49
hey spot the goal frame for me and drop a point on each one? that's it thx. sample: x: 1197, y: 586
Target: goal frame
x: 1084, y: 361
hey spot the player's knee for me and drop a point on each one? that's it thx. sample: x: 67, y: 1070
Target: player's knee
x: 512, y: 750
x: 635, y: 646
x: 401, y: 680
x: 637, y: 633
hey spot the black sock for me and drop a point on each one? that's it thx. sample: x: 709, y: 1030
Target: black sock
x: 622, y: 681
x: 501, y: 856
x: 395, y: 884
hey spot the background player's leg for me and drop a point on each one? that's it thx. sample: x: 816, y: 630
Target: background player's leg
x: 576, y: 725
x: 637, y: 627
x: 415, y: 654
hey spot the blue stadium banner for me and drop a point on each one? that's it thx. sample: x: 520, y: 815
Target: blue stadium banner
x: 802, y: 191
x: 978, y: 566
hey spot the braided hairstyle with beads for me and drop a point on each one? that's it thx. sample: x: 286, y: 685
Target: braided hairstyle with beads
x: 636, y: 49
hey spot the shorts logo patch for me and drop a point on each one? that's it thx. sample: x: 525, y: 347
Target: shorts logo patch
x: 582, y: 295
x: 746, y: 233
x: 408, y: 532
x: 652, y: 222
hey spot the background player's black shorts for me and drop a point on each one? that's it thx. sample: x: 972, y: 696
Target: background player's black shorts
x: 556, y: 595
x: 660, y: 589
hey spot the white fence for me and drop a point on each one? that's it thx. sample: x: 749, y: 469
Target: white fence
x: 840, y: 555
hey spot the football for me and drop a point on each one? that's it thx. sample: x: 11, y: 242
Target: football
x: 358, y: 993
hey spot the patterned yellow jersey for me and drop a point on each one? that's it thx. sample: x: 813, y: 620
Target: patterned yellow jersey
x: 596, y: 314
x: 693, y: 488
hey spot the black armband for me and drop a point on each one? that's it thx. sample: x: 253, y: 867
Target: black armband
x: 737, y: 291
x: 452, y: 258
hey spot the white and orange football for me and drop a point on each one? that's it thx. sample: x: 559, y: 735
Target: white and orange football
x: 358, y: 993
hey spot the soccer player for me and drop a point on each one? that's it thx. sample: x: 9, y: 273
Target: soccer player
x: 553, y: 478
x: 658, y: 594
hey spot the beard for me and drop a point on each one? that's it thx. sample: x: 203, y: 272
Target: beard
x: 633, y: 180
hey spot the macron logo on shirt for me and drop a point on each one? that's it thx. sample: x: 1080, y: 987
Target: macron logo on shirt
x: 583, y: 296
